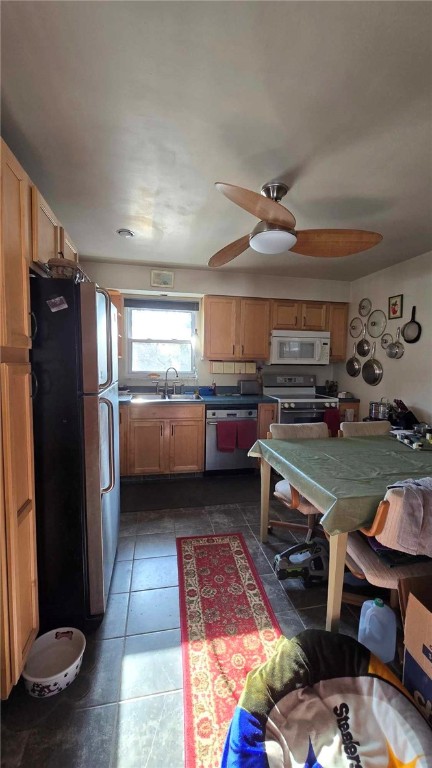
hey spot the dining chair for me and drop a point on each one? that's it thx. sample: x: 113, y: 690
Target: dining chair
x: 363, y: 561
x: 283, y: 490
x: 364, y: 428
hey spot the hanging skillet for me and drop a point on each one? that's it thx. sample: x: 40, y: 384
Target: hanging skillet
x: 396, y: 348
x: 411, y: 331
x: 353, y: 365
x: 363, y: 346
x: 372, y: 370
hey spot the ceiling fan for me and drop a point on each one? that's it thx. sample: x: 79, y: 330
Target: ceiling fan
x: 275, y: 232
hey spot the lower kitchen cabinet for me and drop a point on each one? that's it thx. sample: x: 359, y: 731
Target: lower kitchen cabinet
x: 123, y: 424
x: 164, y: 439
x: 267, y: 414
x: 349, y: 406
x: 19, y: 599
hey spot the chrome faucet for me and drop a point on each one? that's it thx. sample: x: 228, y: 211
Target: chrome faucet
x: 171, y: 368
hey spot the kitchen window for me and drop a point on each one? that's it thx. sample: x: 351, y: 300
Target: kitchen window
x: 160, y: 335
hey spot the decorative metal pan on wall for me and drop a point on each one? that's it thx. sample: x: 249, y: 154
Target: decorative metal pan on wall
x: 386, y: 339
x: 365, y: 307
x: 376, y: 323
x: 363, y: 346
x: 355, y: 327
x: 396, y: 349
x: 372, y: 370
x: 353, y: 365
x: 411, y: 331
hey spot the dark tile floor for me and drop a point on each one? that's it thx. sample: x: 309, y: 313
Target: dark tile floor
x: 125, y: 709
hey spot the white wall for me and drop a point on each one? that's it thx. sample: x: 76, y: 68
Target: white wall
x: 409, y: 378
x: 136, y: 279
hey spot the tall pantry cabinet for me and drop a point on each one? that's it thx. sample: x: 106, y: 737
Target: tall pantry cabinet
x: 18, y: 592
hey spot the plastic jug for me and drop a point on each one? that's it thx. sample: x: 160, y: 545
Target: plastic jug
x: 377, y: 629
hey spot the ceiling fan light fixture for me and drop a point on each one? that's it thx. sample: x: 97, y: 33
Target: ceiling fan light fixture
x: 272, y: 238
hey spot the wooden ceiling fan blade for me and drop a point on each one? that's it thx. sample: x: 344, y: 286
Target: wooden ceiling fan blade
x: 332, y: 243
x: 262, y: 207
x: 229, y: 252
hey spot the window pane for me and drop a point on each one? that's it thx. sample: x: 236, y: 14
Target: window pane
x: 152, y: 356
x: 159, y: 324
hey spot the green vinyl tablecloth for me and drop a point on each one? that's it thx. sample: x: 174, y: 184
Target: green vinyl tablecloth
x: 347, y: 477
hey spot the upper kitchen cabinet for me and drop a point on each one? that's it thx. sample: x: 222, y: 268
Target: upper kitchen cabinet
x: 236, y: 328
x: 118, y: 301
x: 297, y: 315
x: 338, y: 326
x: 15, y: 253
x: 45, y: 230
x: 67, y: 249
x: 286, y: 315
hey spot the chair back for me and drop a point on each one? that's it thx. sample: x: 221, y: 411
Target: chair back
x: 364, y: 428
x: 317, y: 430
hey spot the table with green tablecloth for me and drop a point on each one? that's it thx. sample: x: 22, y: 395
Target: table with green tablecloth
x: 345, y: 478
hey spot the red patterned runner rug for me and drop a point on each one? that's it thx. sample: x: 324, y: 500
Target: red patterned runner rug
x: 228, y: 628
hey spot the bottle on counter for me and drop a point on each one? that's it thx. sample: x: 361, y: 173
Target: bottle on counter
x: 214, y: 387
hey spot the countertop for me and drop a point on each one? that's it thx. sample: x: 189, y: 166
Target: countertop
x: 230, y: 401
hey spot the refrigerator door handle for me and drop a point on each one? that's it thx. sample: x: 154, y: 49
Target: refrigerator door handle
x: 112, y: 478
x: 109, y: 380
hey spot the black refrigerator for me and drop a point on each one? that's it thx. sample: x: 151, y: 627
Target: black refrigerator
x: 76, y: 447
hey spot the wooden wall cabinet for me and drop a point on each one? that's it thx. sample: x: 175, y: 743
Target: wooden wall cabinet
x: 18, y: 589
x: 15, y: 249
x: 45, y: 230
x: 297, y: 315
x: 236, y: 328
x: 118, y: 301
x: 338, y: 326
x: 67, y: 249
x: 165, y: 439
x: 267, y: 414
x: 19, y: 610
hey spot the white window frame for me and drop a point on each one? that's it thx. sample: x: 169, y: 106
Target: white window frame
x: 130, y: 374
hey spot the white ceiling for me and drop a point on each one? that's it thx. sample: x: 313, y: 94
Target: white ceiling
x: 125, y: 113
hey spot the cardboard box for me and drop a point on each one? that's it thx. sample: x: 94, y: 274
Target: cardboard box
x: 417, y: 671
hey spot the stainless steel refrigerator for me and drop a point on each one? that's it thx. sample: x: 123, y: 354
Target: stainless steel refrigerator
x: 76, y: 434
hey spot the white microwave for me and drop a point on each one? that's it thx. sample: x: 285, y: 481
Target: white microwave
x: 300, y: 348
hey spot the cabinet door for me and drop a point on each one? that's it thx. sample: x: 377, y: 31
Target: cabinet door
x: 146, y: 448
x: 18, y: 524
x: 286, y: 315
x: 14, y: 293
x: 220, y: 327
x: 45, y: 229
x: 123, y: 429
x: 254, y: 329
x: 344, y: 407
x: 313, y: 316
x: 186, y: 446
x: 267, y: 414
x: 118, y: 301
x: 66, y: 247
x: 337, y: 325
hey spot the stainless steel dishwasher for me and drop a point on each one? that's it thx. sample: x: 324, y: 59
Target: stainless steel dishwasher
x: 236, y: 459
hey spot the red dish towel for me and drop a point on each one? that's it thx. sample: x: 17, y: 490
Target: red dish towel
x: 246, y: 434
x: 226, y: 435
x: 332, y: 419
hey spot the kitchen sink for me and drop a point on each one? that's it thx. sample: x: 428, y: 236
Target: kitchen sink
x: 146, y: 397
x: 184, y: 397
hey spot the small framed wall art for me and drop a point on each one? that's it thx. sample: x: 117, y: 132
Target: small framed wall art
x: 161, y: 278
x: 395, y: 307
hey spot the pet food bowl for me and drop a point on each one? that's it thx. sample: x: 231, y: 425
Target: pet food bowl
x: 54, y: 662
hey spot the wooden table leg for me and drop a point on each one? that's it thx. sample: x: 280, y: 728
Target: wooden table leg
x: 338, y: 545
x: 265, y: 471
